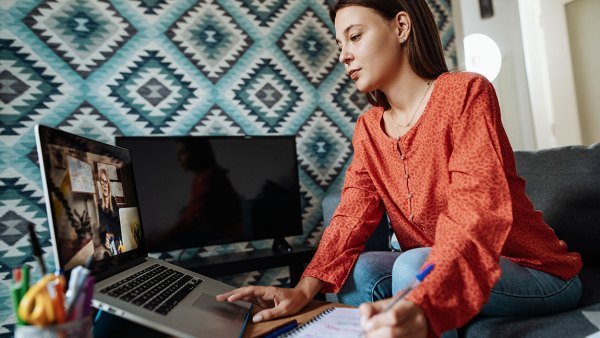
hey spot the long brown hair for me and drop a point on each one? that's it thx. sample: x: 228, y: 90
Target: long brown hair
x: 106, y: 205
x: 424, y: 46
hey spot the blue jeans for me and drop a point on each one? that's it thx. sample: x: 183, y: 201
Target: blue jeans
x: 520, y: 291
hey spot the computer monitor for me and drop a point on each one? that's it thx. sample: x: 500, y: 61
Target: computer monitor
x: 204, y: 190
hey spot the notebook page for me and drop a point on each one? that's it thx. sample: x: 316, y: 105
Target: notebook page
x: 340, y: 322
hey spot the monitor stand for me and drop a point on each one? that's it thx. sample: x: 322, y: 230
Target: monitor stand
x: 280, y: 244
x: 259, y: 259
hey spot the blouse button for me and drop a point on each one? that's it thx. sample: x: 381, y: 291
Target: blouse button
x: 410, y: 195
x: 406, y: 176
x: 412, y: 217
x: 402, y: 157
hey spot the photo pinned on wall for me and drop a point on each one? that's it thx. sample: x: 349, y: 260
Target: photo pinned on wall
x: 80, y: 172
x: 117, y: 189
x: 486, y: 9
x: 112, y: 172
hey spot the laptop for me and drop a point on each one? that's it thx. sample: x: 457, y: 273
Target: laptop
x: 93, y: 211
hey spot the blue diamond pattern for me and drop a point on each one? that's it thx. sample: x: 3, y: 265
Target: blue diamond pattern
x: 35, y: 90
x: 88, y: 122
x: 152, y: 6
x: 12, y: 227
x: 265, y: 11
x: 151, y: 67
x: 11, y: 87
x: 323, y: 149
x: 307, y: 43
x: 21, y: 203
x: 84, y: 33
x: 269, y: 94
x: 216, y: 122
x: 210, y: 38
x: 349, y: 100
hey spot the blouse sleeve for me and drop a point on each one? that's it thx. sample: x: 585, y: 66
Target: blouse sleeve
x: 471, y: 232
x: 356, y: 217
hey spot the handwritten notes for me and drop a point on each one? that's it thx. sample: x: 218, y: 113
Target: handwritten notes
x: 333, y: 323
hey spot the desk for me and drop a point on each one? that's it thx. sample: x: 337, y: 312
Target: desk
x: 309, y: 312
x: 116, y: 327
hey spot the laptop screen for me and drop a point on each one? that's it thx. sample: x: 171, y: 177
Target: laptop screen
x: 91, y: 200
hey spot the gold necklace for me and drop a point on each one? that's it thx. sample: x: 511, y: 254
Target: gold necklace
x: 398, y: 125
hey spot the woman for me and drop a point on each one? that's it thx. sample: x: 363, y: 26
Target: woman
x: 108, y: 216
x: 432, y: 152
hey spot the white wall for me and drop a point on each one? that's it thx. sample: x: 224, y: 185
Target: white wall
x: 511, y: 84
x: 584, y: 36
x: 550, y: 72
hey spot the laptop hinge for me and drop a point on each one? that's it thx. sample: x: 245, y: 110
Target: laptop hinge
x: 110, y: 271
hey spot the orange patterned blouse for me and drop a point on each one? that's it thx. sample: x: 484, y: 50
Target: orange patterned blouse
x: 449, y: 183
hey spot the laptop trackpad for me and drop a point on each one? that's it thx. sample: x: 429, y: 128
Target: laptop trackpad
x: 209, y: 303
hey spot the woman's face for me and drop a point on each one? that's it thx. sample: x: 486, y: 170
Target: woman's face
x: 105, y: 185
x: 369, y: 47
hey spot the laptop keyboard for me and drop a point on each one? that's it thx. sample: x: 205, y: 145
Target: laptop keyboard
x: 156, y: 288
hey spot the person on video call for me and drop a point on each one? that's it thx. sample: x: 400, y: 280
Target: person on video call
x: 108, y: 216
x: 213, y: 207
x: 433, y: 153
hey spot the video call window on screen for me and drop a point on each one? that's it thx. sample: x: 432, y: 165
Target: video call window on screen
x: 205, y: 190
x: 94, y: 214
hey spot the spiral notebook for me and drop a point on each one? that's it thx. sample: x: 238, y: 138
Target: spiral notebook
x: 331, y: 323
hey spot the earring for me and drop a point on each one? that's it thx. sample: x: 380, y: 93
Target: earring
x: 402, y: 40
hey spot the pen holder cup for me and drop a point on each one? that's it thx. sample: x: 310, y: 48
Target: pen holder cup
x: 76, y: 328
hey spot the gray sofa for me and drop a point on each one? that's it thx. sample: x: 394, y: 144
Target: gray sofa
x: 563, y: 183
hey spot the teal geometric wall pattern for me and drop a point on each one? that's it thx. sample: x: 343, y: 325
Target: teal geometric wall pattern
x: 103, y: 68
x: 152, y: 91
x: 268, y: 95
x: 306, y: 44
x: 209, y: 38
x: 83, y: 34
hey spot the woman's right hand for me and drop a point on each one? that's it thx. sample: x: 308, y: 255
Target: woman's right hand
x: 276, y: 302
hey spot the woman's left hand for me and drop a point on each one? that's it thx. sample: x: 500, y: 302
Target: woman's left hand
x: 405, y: 319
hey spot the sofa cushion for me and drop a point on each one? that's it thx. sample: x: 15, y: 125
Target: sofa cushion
x: 564, y: 184
x: 576, y: 323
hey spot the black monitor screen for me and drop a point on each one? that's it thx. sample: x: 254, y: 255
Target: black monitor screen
x: 204, y: 190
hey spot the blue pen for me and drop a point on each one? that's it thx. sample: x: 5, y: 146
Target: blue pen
x: 282, y: 329
x: 420, y: 276
x: 402, y: 294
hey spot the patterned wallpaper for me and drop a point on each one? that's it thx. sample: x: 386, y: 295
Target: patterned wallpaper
x: 172, y: 67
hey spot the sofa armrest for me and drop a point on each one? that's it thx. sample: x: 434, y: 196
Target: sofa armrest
x: 379, y: 240
x: 563, y: 184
